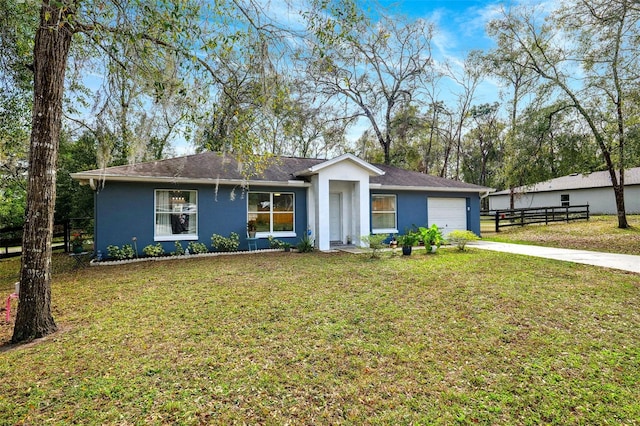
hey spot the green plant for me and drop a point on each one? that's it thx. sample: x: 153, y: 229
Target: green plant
x: 460, y: 238
x: 277, y: 244
x: 221, y: 243
x: 375, y: 242
x: 408, y: 239
x: 273, y: 243
x: 252, y: 226
x: 126, y: 252
x: 431, y: 236
x: 77, y: 241
x: 179, y: 250
x: 195, y: 247
x: 153, y: 250
x: 305, y: 245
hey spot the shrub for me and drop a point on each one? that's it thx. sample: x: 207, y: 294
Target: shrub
x: 461, y: 238
x: 126, y: 252
x: 431, y: 236
x: 273, y: 243
x: 179, y: 250
x: 153, y: 250
x: 221, y: 243
x: 408, y: 239
x: 195, y: 247
x: 305, y: 245
x: 277, y: 244
x: 376, y: 243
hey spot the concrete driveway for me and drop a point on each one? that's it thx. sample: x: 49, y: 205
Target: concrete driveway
x: 625, y: 262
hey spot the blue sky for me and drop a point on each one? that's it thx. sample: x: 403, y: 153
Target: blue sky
x: 460, y: 23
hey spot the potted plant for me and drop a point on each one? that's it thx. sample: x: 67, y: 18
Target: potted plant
x: 252, y: 228
x: 407, y: 241
x: 77, y: 242
x: 432, y: 237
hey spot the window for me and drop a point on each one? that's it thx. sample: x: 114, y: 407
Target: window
x: 383, y: 213
x: 564, y: 200
x: 273, y: 213
x: 176, y: 215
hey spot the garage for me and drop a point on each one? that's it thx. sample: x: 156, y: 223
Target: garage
x: 448, y: 213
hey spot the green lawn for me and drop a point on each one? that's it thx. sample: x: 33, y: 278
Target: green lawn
x: 285, y: 338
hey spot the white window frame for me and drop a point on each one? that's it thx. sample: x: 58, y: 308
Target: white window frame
x: 393, y: 230
x: 174, y: 237
x: 271, y: 233
x: 567, y: 202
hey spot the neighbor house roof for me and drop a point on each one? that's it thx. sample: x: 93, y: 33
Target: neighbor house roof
x: 214, y: 168
x: 577, y: 181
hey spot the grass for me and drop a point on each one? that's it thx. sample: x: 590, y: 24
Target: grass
x: 600, y: 233
x: 469, y: 337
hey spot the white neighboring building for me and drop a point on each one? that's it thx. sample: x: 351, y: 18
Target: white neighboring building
x: 593, y: 189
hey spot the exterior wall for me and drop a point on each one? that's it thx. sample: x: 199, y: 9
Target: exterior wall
x: 412, y: 208
x: 126, y: 210
x: 337, y: 176
x: 600, y: 200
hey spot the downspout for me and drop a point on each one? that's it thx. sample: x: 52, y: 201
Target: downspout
x: 485, y: 195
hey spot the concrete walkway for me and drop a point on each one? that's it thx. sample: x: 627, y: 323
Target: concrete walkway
x: 625, y: 262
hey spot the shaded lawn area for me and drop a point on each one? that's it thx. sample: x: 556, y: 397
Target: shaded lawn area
x: 275, y: 338
x: 599, y: 233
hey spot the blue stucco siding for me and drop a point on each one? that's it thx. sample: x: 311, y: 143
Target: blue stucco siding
x: 127, y: 210
x: 473, y: 219
x: 122, y: 213
x: 412, y: 208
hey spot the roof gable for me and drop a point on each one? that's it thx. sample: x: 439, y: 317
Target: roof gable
x: 369, y: 168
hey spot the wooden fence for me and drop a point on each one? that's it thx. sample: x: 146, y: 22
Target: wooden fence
x: 521, y: 217
x: 11, y: 238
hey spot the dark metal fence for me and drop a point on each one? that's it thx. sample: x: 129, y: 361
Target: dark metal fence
x: 522, y: 217
x: 11, y: 238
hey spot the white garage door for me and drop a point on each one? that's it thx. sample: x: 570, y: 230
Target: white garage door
x: 448, y: 213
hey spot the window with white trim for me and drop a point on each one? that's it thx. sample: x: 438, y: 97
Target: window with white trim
x: 176, y: 215
x: 564, y: 200
x: 273, y: 213
x: 384, y: 213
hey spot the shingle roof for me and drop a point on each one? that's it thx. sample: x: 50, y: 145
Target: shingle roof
x: 395, y: 176
x: 206, y: 165
x: 213, y: 166
x: 578, y: 181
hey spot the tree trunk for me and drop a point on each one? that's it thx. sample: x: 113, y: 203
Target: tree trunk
x: 618, y: 190
x: 51, y: 49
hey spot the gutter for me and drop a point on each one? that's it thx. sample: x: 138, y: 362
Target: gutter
x: 487, y: 192
x: 379, y: 186
x: 92, y: 180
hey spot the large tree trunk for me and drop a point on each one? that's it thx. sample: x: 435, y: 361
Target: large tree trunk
x: 618, y: 190
x: 51, y: 49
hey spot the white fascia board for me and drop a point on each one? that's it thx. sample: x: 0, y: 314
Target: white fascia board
x: 84, y: 178
x: 373, y: 170
x: 427, y: 188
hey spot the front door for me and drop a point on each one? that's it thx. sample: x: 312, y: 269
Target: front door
x: 335, y: 217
